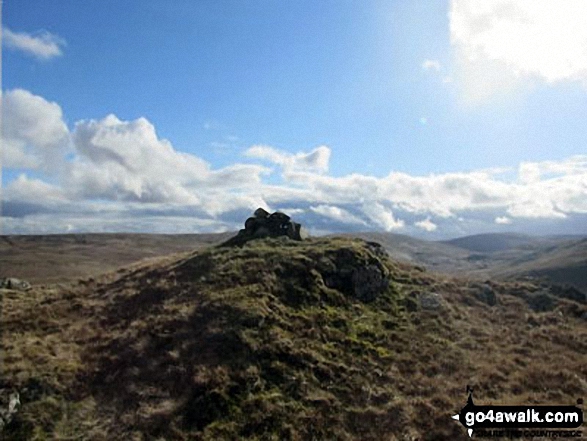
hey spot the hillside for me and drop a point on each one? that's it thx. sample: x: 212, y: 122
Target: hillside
x: 489, y: 243
x: 558, y: 260
x: 61, y: 257
x: 322, y: 339
x: 564, y: 262
x: 436, y: 256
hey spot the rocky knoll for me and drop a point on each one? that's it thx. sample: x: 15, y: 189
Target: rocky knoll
x: 323, y: 338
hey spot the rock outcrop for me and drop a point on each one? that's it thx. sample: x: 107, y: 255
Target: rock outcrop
x: 363, y: 277
x: 263, y: 224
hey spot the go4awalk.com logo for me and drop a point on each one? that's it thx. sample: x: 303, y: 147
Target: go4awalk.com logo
x: 520, y: 421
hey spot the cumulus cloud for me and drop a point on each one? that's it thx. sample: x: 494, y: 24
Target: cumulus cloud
x: 43, y: 45
x: 126, y: 160
x: 30, y: 190
x: 130, y: 170
x: 382, y: 216
x: 315, y: 161
x: 34, y: 133
x: 499, y: 42
x: 426, y: 225
x: 337, y: 214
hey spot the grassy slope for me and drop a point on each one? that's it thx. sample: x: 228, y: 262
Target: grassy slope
x: 250, y: 343
x: 563, y: 263
x: 60, y: 257
x: 492, y: 242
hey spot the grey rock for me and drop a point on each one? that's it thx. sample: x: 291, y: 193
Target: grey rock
x: 430, y: 301
x: 541, y: 301
x: 14, y: 283
x: 263, y: 224
x: 7, y: 413
x: 261, y: 213
x: 368, y: 282
x: 363, y: 278
x: 487, y: 295
x: 377, y: 249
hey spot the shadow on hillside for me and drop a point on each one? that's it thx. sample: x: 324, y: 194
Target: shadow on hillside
x: 155, y: 365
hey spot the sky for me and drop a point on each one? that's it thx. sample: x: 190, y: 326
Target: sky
x: 433, y: 119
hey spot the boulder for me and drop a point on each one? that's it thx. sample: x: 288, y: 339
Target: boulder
x: 487, y: 295
x: 9, y: 405
x: 346, y: 272
x: 541, y: 301
x: 260, y: 213
x: 14, y: 283
x: 431, y: 301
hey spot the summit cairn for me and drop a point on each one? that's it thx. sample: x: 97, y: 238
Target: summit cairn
x: 263, y: 224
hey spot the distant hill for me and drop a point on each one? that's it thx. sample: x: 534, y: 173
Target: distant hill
x: 323, y: 339
x: 564, y: 262
x: 436, y: 256
x: 561, y: 260
x: 60, y: 257
x: 489, y: 243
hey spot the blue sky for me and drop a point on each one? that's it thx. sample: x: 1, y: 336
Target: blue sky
x: 436, y: 119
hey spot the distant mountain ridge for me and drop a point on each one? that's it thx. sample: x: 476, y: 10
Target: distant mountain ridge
x: 492, y: 242
x: 56, y: 258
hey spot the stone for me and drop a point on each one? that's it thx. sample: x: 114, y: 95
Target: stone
x: 430, y: 301
x: 7, y: 414
x: 368, y: 282
x: 263, y: 224
x: 260, y: 213
x: 487, y: 295
x: 541, y: 301
x: 14, y: 283
x: 348, y: 273
x: 377, y: 249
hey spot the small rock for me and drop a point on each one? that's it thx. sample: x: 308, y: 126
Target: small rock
x: 7, y: 414
x: 430, y: 301
x: 541, y: 301
x: 14, y: 283
x: 487, y: 295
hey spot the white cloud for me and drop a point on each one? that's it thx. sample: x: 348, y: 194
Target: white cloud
x: 337, y: 214
x: 426, y: 225
x: 500, y: 42
x: 431, y: 65
x: 35, y: 191
x: 125, y: 165
x: 34, y: 133
x: 529, y: 173
x: 503, y: 220
x: 315, y: 161
x: 126, y: 160
x: 42, y: 45
x: 382, y: 217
